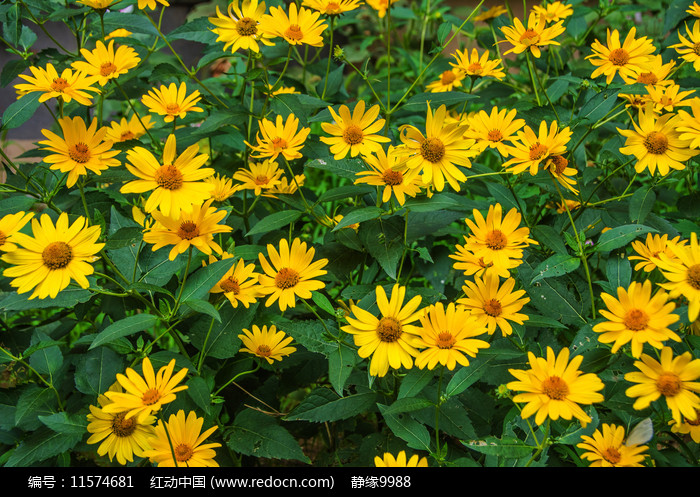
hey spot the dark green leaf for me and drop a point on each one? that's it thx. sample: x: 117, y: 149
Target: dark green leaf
x: 274, y: 222
x: 123, y: 328
x: 556, y: 265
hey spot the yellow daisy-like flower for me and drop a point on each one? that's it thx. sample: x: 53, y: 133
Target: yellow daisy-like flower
x: 223, y: 187
x: 687, y: 46
x: 281, y: 137
x: 683, y: 275
x: 332, y: 7
x: 637, y: 317
x: 176, y: 183
x: 688, y: 126
x: 554, y: 387
x: 381, y: 6
x: 473, y: 264
x: 81, y: 149
x: 120, y: 437
x: 494, y: 306
x: 655, y: 72
x: 532, y: 150
x: 534, y: 37
x: 626, y: 59
x: 607, y: 449
x: 694, y: 10
x: 268, y: 344
x: 667, y: 98
x: 145, y: 395
x: 9, y: 225
x: 649, y: 251
x: 553, y: 12
x: 240, y: 29
x: 400, y: 461
x: 571, y: 205
x: 97, y: 4
x: 388, y: 172
x: 105, y: 63
x: 447, y: 337
x: 286, y: 187
x: 190, y: 229
x: 674, y: 378
x: 439, y: 153
x: 558, y: 167
x: 290, y: 273
x: 449, y: 80
x: 182, y: 438
x: 118, y: 33
x: 491, y: 13
x: 354, y: 133
x: 686, y: 427
x: 656, y: 143
x: 301, y: 26
x: 499, y: 240
x: 495, y: 129
x: 68, y: 86
x: 55, y: 255
x: 172, y: 101
x: 477, y: 66
x: 239, y: 284
x: 133, y: 129
x: 259, y: 176
x: 151, y: 4
x: 390, y: 339
x: 282, y: 90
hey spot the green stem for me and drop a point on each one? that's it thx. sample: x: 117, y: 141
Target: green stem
x: 438, y: 403
x: 532, y: 78
x: 330, y: 56
x: 176, y: 306
x: 257, y: 366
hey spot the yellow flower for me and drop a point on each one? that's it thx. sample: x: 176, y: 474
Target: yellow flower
x: 626, y: 59
x: 121, y: 437
x: 145, y: 395
x: 106, y: 63
x: 301, y: 26
x: 439, y: 153
x: 332, y: 7
x: 683, y: 274
x: 281, y: 137
x: 259, y: 176
x: 554, y: 388
x: 182, y: 438
x: 686, y: 48
x: 688, y: 126
x: 55, y: 255
x: 449, y: 80
x: 151, y: 4
x: 190, y: 229
x: 571, y: 205
x: 473, y: 264
x: 241, y: 28
x: 354, y: 133
x: 495, y: 129
x: 268, y: 344
x: 651, y: 248
x: 381, y: 6
x: 478, y: 66
x: 285, y: 187
x: 637, y: 317
x: 558, y: 167
x: 534, y: 37
x: 686, y: 427
x: 223, y: 187
x: 447, y: 335
x: 118, y: 33
x: 491, y: 13
x: 532, y: 150
x: 390, y: 339
x: 133, y: 129
x: 389, y: 461
x: 176, y: 183
x: 607, y: 449
x: 290, y: 273
x: 667, y: 98
x: 674, y: 378
x: 11, y: 224
x: 388, y: 172
x: 553, y: 12
x: 656, y: 143
x: 172, y: 101
x: 654, y: 72
x: 68, y: 86
x: 239, y: 284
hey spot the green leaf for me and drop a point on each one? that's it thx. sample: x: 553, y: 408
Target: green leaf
x: 124, y: 237
x: 383, y: 239
x: 556, y: 265
x: 198, y: 390
x: 311, y: 335
x: 507, y: 447
x: 62, y: 422
x: 274, y: 222
x: 359, y: 216
x: 550, y: 238
x: 597, y: 105
x: 201, y: 307
x: 641, y: 204
x: 123, y: 328
x: 407, y: 404
x: 340, y: 365
x: 46, y: 360
x: 201, y: 281
x: 419, y: 103
x: 619, y: 271
x: 323, y: 404
x: 32, y: 403
x: 414, y: 382
x: 343, y: 192
x: 466, y: 377
x: 40, y: 446
x: 220, y: 340
x: 345, y: 168
x: 198, y: 30
x: 96, y: 370
x: 619, y: 237
x: 20, y: 111
x: 321, y: 301
x: 406, y: 428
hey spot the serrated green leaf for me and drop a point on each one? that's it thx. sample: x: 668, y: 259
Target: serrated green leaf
x: 40, y: 446
x: 406, y: 428
x: 620, y: 236
x: 255, y: 434
x: 62, y: 422
x: 323, y: 404
x: 554, y: 266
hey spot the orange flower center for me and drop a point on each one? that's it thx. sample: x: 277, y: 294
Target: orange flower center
x: 59, y: 84
x: 183, y: 452
x: 127, y: 135
x: 172, y: 109
x: 696, y: 48
x: 612, y: 455
x: 107, y: 68
x: 263, y: 351
x: 353, y: 134
x: 389, y: 329
x: 229, y: 285
x: 247, y: 27
x: 656, y: 143
x: 432, y: 150
x: 79, y: 152
x: 495, y: 135
x: 3, y: 238
x: 559, y: 164
x: 293, y: 32
x: 333, y: 9
x: 57, y: 255
x: 529, y: 37
x: 555, y: 388
x: 286, y: 278
x: 392, y: 178
x: 647, y: 78
x: 537, y: 151
x: 447, y: 78
x: 123, y: 427
x: 493, y: 308
x: 445, y: 340
x: 694, y: 276
x: 484, y: 264
x: 261, y: 179
x: 636, y: 319
x: 496, y: 240
x: 475, y: 68
x: 279, y: 143
x: 168, y: 177
x: 188, y: 230
x: 669, y: 384
x: 619, y: 57
x: 150, y: 397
